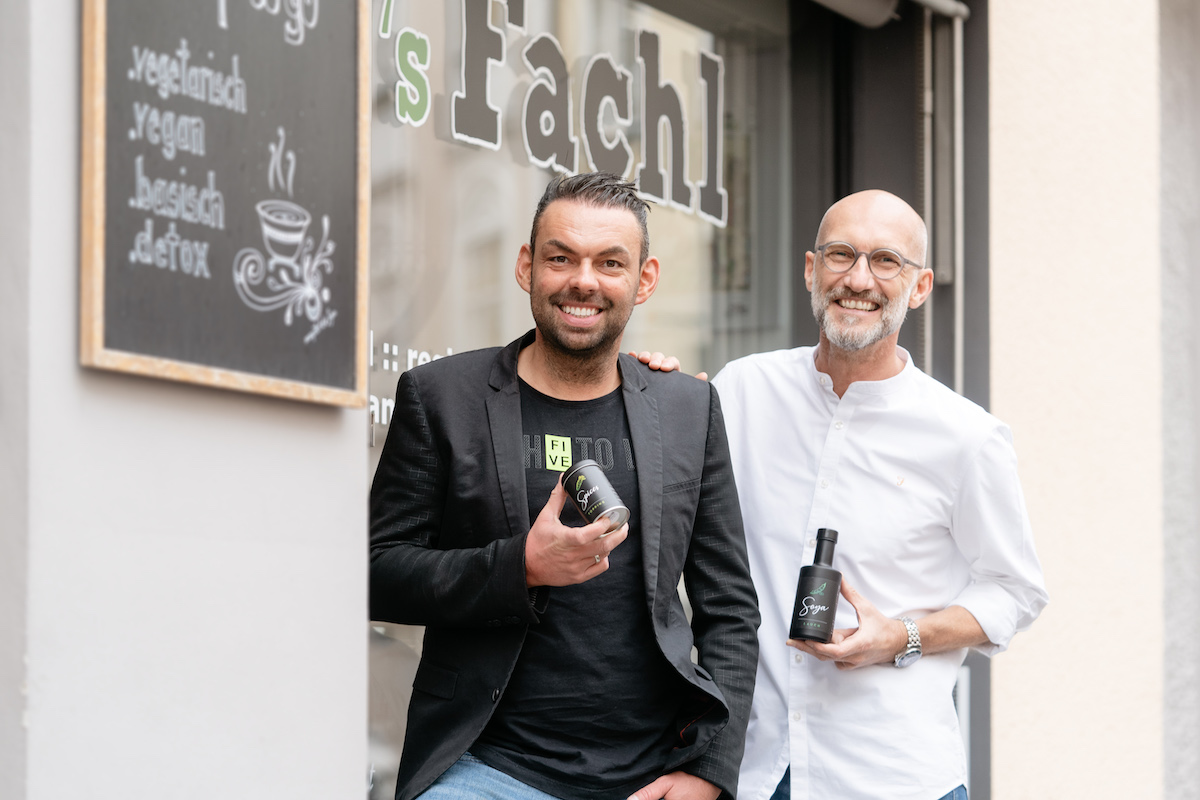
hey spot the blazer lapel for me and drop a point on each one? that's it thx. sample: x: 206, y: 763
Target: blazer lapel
x: 642, y: 412
x: 504, y: 421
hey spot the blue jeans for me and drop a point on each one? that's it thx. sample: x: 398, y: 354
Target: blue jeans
x: 784, y: 790
x: 471, y: 778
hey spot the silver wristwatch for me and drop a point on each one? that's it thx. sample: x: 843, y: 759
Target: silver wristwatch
x: 909, y: 655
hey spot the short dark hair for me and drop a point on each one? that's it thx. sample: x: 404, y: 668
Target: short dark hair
x: 602, y: 189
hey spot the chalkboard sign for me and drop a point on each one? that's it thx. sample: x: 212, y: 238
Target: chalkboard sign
x: 225, y: 193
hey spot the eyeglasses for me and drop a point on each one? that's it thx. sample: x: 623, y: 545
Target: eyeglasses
x: 884, y: 264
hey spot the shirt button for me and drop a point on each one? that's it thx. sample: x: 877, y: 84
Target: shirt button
x: 812, y: 542
x: 797, y: 716
x: 824, y: 483
x: 495, y: 695
x: 839, y: 424
x: 799, y: 658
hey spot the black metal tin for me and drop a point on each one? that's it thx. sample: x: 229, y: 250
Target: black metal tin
x: 593, y: 495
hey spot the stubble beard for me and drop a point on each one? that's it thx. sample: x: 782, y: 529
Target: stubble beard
x: 853, y: 334
x: 582, y: 352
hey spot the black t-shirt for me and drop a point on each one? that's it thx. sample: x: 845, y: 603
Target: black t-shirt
x: 589, y: 709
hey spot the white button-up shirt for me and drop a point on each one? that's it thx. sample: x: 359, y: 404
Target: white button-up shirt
x: 921, y: 485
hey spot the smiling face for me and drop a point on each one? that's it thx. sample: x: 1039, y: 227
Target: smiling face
x: 854, y: 320
x: 585, y: 277
x: 854, y: 309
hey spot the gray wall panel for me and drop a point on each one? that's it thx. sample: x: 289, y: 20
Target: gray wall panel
x: 14, y: 392
x: 1180, y: 32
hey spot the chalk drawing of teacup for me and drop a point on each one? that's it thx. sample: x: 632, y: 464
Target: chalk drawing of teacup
x: 283, y: 227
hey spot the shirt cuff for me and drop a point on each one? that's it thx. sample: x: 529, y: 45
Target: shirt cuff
x: 997, y: 611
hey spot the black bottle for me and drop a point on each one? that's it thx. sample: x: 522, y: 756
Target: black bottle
x: 817, y: 593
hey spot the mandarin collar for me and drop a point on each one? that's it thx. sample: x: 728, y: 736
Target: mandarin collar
x: 886, y: 386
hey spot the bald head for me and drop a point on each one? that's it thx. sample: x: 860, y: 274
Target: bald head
x: 874, y: 218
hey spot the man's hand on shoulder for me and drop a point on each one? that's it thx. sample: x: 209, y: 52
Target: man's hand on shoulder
x: 677, y: 786
x: 559, y: 555
x: 657, y: 361
x: 876, y: 640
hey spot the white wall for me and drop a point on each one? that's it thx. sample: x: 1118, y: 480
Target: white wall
x: 1076, y: 370
x: 196, y: 597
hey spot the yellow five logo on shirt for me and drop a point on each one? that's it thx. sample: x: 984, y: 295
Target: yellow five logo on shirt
x: 558, y: 453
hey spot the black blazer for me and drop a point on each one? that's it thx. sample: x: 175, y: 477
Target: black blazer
x: 449, y: 517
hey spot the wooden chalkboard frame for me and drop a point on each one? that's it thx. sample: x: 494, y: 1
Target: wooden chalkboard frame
x: 93, y: 352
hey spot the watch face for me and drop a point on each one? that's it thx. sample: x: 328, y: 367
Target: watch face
x: 904, y: 659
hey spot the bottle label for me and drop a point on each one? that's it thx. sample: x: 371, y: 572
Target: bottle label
x: 810, y: 604
x: 816, y: 606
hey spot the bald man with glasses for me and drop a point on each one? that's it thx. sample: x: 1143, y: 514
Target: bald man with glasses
x: 935, y: 544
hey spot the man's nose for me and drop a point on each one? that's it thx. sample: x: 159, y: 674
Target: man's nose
x: 584, y: 278
x: 859, y: 277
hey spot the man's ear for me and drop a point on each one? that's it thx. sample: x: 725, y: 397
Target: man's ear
x: 647, y: 280
x: 808, y: 269
x: 922, y: 289
x: 524, y: 269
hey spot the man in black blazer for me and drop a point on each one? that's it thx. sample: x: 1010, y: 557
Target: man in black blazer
x: 557, y: 659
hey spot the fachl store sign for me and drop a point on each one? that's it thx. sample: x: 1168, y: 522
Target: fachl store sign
x: 552, y: 135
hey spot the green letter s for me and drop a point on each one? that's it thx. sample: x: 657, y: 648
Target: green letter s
x: 412, y: 90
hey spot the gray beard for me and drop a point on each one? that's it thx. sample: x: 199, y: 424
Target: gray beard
x: 857, y: 336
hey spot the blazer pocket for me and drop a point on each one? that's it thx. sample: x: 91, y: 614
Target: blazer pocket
x: 682, y: 486
x: 435, y: 680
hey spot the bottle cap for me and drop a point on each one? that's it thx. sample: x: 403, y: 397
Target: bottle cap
x: 828, y: 534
